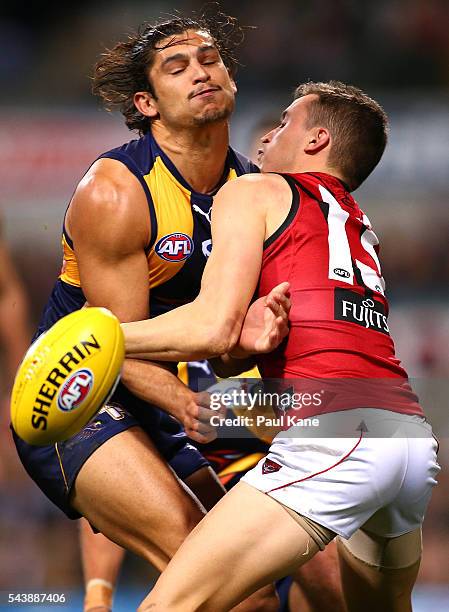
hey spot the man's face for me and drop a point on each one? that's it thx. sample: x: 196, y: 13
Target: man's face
x: 282, y: 147
x: 191, y: 84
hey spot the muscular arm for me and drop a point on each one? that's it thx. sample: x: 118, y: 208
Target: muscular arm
x: 108, y: 221
x: 212, y: 323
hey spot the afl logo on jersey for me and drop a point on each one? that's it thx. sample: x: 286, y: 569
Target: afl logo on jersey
x: 174, y: 247
x: 341, y: 272
x: 75, y: 390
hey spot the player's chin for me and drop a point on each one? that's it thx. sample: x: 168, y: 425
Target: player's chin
x: 268, y: 165
x: 213, y: 113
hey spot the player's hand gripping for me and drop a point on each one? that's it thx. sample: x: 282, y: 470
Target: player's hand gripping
x: 266, y: 323
x: 196, y: 418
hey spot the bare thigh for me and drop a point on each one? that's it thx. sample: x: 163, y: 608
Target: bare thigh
x: 246, y: 541
x: 128, y: 492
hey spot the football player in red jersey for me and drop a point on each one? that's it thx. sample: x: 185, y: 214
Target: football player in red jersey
x: 367, y: 477
x: 193, y: 131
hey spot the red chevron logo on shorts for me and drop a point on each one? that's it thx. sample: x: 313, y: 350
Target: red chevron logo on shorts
x: 270, y: 466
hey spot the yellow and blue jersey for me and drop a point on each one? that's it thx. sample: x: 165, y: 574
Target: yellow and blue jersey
x: 180, y: 241
x: 231, y: 458
x: 177, y: 252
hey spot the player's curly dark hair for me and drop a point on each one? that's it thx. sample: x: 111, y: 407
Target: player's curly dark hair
x: 124, y: 70
x: 357, y: 123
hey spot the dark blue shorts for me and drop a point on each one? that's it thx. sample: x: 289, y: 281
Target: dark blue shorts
x: 54, y: 468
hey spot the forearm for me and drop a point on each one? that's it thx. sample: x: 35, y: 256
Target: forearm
x: 156, y: 385
x: 191, y: 332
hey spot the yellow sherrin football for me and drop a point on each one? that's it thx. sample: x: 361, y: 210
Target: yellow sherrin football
x: 66, y: 376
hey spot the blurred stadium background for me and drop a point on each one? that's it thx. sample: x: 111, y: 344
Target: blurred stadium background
x: 51, y: 129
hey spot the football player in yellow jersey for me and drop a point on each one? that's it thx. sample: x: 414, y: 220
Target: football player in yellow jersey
x: 136, y: 238
x: 187, y: 102
x: 123, y: 471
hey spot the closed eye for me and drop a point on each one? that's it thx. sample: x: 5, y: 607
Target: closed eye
x: 283, y: 120
x: 208, y: 56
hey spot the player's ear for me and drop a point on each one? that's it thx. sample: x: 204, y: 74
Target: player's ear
x: 146, y: 104
x: 317, y: 139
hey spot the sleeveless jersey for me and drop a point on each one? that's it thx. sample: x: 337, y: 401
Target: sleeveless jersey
x: 180, y: 240
x: 327, y: 250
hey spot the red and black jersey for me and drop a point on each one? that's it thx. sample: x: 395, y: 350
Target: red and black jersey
x: 327, y: 250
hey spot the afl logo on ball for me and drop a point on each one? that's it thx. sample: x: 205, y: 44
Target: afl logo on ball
x: 75, y: 390
x: 174, y: 247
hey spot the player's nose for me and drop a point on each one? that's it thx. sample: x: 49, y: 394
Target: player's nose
x: 200, y: 73
x: 267, y: 138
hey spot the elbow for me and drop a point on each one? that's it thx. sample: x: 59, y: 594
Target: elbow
x: 222, y: 339
x: 215, y: 328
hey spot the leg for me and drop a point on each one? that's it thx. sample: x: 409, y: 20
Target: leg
x: 125, y: 488
x: 245, y: 542
x: 133, y: 512
x: 207, y: 487
x: 263, y: 600
x: 101, y: 560
x: 205, y: 484
x: 379, y: 573
x: 319, y: 583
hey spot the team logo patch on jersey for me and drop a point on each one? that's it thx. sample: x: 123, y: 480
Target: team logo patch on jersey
x: 174, y: 247
x: 355, y: 308
x: 270, y: 466
x: 75, y: 390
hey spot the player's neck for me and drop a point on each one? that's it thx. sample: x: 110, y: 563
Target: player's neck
x: 322, y: 169
x: 198, y: 154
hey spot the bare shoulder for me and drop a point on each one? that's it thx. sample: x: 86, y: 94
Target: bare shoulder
x: 258, y: 187
x: 109, y: 200
x: 107, y: 184
x: 257, y: 181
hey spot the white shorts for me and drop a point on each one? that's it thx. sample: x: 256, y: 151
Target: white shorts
x: 380, y: 479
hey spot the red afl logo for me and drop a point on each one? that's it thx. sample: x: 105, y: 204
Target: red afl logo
x: 174, y: 247
x: 75, y: 390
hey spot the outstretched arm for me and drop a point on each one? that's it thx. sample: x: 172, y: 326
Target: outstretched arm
x: 212, y: 323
